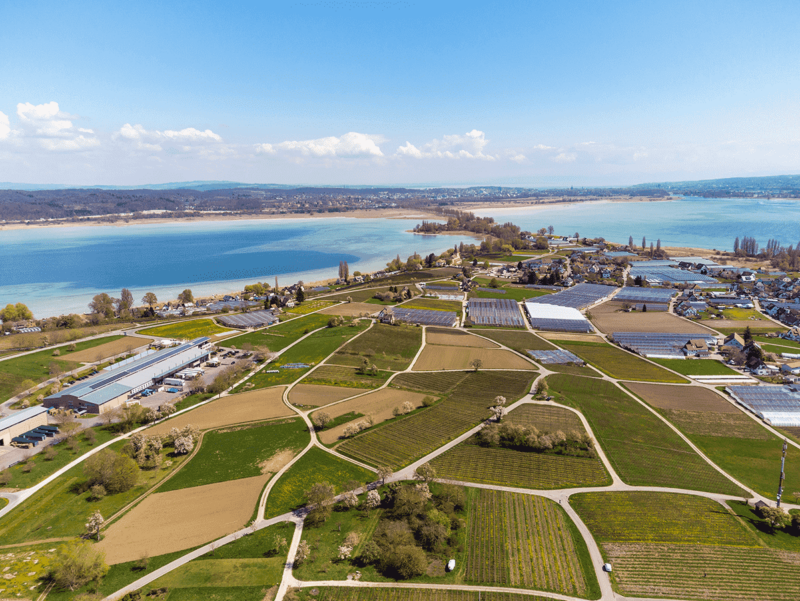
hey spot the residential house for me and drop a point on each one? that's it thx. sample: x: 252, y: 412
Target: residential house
x: 733, y: 342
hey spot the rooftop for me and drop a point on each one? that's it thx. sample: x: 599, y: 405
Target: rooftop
x: 21, y: 416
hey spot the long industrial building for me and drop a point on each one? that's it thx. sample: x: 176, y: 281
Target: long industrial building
x: 121, y: 381
x: 17, y: 424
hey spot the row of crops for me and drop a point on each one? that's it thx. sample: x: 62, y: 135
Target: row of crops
x: 704, y: 572
x: 507, y: 467
x: 401, y: 442
x: 522, y: 541
x: 643, y: 450
x: 341, y: 593
x: 439, y: 383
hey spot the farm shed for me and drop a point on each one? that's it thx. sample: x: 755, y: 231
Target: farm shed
x: 18, y: 423
x: 119, y: 382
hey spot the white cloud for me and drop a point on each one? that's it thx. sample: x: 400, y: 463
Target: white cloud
x: 518, y: 158
x: 185, y: 140
x: 468, y: 146
x: 52, y: 128
x: 350, y: 145
x: 565, y: 157
x: 265, y: 149
x: 5, y: 126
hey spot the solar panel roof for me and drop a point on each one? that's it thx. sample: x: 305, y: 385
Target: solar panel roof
x: 494, y: 312
x: 578, y: 297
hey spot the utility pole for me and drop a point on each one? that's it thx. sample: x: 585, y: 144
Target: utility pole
x: 783, y: 474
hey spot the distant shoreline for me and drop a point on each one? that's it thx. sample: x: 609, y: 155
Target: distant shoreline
x: 123, y: 222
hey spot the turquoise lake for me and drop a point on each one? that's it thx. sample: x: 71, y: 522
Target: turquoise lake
x: 58, y: 270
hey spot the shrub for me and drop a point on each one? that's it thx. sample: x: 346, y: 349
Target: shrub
x: 77, y: 563
x: 117, y: 473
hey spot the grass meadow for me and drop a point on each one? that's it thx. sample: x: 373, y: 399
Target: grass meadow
x: 189, y: 330
x: 696, y: 367
x: 617, y: 363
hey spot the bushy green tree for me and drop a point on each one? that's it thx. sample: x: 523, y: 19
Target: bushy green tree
x: 77, y: 563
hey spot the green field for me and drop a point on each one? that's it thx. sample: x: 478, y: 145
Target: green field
x: 37, y: 366
x: 778, y: 342
x: 522, y: 342
x: 310, y: 351
x: 429, y: 304
x: 758, y: 327
x: 335, y: 375
x: 617, y: 363
x: 657, y: 517
x: 360, y: 295
x: 386, y: 347
x: 528, y: 542
x: 685, y: 547
x: 516, y: 294
x: 642, y: 449
x: 40, y: 468
x: 192, y: 400
x: 310, y: 306
x: 238, y: 452
x: 61, y: 508
x: 507, y: 467
x: 776, y: 539
x: 696, y: 367
x: 278, y: 337
x: 401, y: 442
x: 313, y: 467
x: 188, y: 330
x: 347, y: 593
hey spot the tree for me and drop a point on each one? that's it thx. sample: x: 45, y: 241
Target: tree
x: 542, y: 243
x: 150, y: 299
x: 184, y: 445
x: 320, y: 498
x: 373, y: 499
x: 425, y: 473
x: 644, y: 243
x: 550, y: 229
x: 748, y: 335
x: 77, y: 563
x: 186, y: 297
x: 125, y: 302
x: 320, y: 419
x: 94, y: 524
x: 406, y: 561
x: 18, y: 312
x: 630, y: 242
x: 384, y: 473
x: 301, y: 295
x: 776, y: 517
x: 476, y: 364
x: 736, y: 246
x: 651, y: 249
x: 499, y: 408
x: 302, y: 554
x: 117, y: 473
x: 278, y: 544
x: 102, y: 304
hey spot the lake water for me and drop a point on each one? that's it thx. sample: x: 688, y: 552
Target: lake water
x: 692, y: 222
x: 58, y: 270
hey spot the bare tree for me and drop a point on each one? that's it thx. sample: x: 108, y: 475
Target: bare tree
x: 384, y: 473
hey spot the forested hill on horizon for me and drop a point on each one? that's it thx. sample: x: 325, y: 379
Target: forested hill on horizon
x: 188, y: 198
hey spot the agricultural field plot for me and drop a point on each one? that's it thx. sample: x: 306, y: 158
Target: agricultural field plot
x: 188, y: 330
x: 352, y: 310
x: 182, y: 519
x: 619, y: 364
x: 658, y: 517
x: 561, y: 336
x: 346, y: 377
x: 757, y: 326
x: 17, y: 374
x: 316, y: 395
x: 546, y: 418
x: 253, y: 406
x: 507, y: 467
x: 436, y: 383
x: 400, y: 442
x: 642, y: 449
x: 528, y: 542
x: 515, y: 294
x: 522, y: 342
x: 704, y: 572
x: 378, y: 405
x: 313, y: 467
x: 584, y: 370
x: 609, y: 318
x: 25, y: 570
x: 435, y: 358
x: 241, y: 452
x: 734, y: 441
x: 122, y: 345
x: 34, y: 340
x: 362, y: 295
x: 697, y: 367
x: 450, y: 337
x: 278, y: 337
x: 778, y: 342
x: 385, y: 346
x: 310, y: 351
x: 347, y: 593
x: 427, y: 304
x: 310, y: 306
x: 63, y: 507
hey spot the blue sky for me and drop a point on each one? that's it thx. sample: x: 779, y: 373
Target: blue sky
x: 394, y: 92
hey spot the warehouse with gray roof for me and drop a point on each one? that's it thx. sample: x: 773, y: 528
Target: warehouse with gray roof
x: 118, y: 383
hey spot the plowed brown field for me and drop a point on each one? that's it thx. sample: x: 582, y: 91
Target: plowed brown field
x: 688, y: 398
x: 456, y: 338
x: 352, y: 309
x: 378, y: 404
x: 252, y: 406
x: 181, y: 519
x: 109, y: 349
x: 457, y: 357
x: 316, y: 395
x: 608, y: 319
